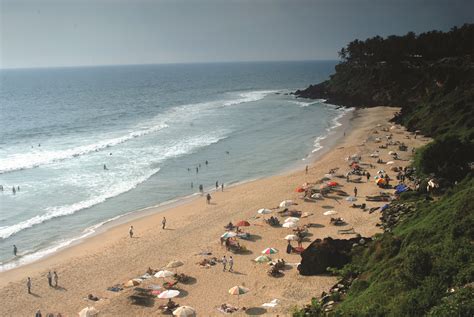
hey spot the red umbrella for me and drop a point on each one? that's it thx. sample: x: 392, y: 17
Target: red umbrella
x: 332, y: 184
x: 299, y: 189
x: 242, y: 223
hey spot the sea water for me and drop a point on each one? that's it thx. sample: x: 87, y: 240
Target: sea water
x: 89, y: 145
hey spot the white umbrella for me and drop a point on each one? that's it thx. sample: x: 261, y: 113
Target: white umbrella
x: 351, y: 198
x: 292, y: 219
x: 330, y: 212
x: 262, y: 259
x: 169, y: 294
x: 289, y: 225
x: 391, y: 152
x: 270, y: 251
x: 317, y: 196
x: 228, y: 234
x: 390, y: 162
x: 184, y: 311
x: 291, y: 237
x: 287, y: 203
x: 264, y: 211
x: 88, y: 312
x: 164, y: 274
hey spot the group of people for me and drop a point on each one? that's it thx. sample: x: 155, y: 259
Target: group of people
x: 229, y: 261
x: 53, y: 279
x: 14, y: 189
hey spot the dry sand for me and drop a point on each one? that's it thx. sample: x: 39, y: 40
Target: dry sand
x: 112, y: 257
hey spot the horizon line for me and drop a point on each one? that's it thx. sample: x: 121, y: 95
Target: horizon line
x: 166, y: 63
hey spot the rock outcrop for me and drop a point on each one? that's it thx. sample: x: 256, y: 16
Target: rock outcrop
x: 321, y: 254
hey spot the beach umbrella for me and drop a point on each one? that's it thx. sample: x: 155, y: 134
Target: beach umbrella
x: 330, y: 213
x: 228, y: 234
x: 174, y: 264
x: 292, y: 219
x: 262, y: 259
x: 264, y: 211
x: 317, y: 196
x: 242, y: 223
x: 168, y: 294
x: 289, y: 224
x: 332, y: 184
x: 164, y: 273
x: 381, y: 181
x: 380, y: 172
x: 306, y: 214
x: 351, y: 198
x: 184, y: 311
x: 390, y: 162
x: 291, y: 237
x: 287, y: 203
x: 299, y: 189
x: 132, y: 283
x: 238, y: 290
x: 328, y: 176
x: 156, y: 292
x: 88, y: 312
x: 270, y: 251
x: 391, y: 153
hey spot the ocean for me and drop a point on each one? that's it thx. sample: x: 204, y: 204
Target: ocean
x: 85, y: 146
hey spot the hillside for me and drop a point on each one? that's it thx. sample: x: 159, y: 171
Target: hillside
x: 424, y: 264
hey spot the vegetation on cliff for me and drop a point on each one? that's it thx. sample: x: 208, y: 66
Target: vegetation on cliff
x: 425, y: 265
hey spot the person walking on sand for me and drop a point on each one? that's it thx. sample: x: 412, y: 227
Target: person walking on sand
x: 368, y: 176
x: 306, y: 169
x: 222, y: 187
x: 130, y: 231
x: 224, y: 263
x: 208, y: 197
x: 15, y: 250
x: 231, y: 264
x: 50, y: 279
x: 355, y: 191
x: 56, y: 278
x: 28, y: 285
x: 163, y: 222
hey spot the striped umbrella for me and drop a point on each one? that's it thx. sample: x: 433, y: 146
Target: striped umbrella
x: 238, y: 290
x: 270, y: 251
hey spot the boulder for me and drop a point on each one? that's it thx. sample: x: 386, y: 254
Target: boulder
x: 321, y: 254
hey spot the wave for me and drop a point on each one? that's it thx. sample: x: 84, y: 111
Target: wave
x: 335, y: 124
x: 307, y: 103
x: 31, y: 160
x: 59, y: 211
x: 180, y: 148
x: 249, y: 96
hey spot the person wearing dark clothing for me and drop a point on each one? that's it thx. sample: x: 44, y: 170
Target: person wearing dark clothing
x: 222, y: 187
x: 368, y: 176
x: 217, y: 185
x: 28, y: 285
x: 38, y: 313
x: 56, y: 278
x: 355, y: 191
x: 289, y: 248
x: 50, y: 278
x: 15, y: 250
x: 208, y: 197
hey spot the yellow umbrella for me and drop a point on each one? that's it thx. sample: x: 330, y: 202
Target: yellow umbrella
x: 184, y: 311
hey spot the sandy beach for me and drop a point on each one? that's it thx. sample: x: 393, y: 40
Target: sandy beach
x: 112, y: 257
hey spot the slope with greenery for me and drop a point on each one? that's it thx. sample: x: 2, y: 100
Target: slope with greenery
x: 425, y: 265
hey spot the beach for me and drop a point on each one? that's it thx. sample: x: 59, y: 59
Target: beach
x: 112, y: 257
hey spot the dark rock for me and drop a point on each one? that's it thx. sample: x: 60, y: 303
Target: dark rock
x: 321, y: 254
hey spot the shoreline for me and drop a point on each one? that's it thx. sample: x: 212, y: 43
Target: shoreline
x: 112, y: 257
x: 326, y: 143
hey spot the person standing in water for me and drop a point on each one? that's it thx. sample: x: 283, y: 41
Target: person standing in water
x: 15, y: 250
x: 14, y: 190
x: 201, y: 189
x: 207, y: 162
x: 217, y: 185
x: 192, y: 185
x: 222, y: 187
x: 197, y: 170
x: 306, y: 169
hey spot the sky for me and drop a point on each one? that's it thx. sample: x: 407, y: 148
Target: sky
x: 56, y: 33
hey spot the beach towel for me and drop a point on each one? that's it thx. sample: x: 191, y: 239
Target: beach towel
x: 272, y: 303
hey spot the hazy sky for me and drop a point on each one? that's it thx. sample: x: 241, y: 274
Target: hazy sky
x: 40, y: 33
